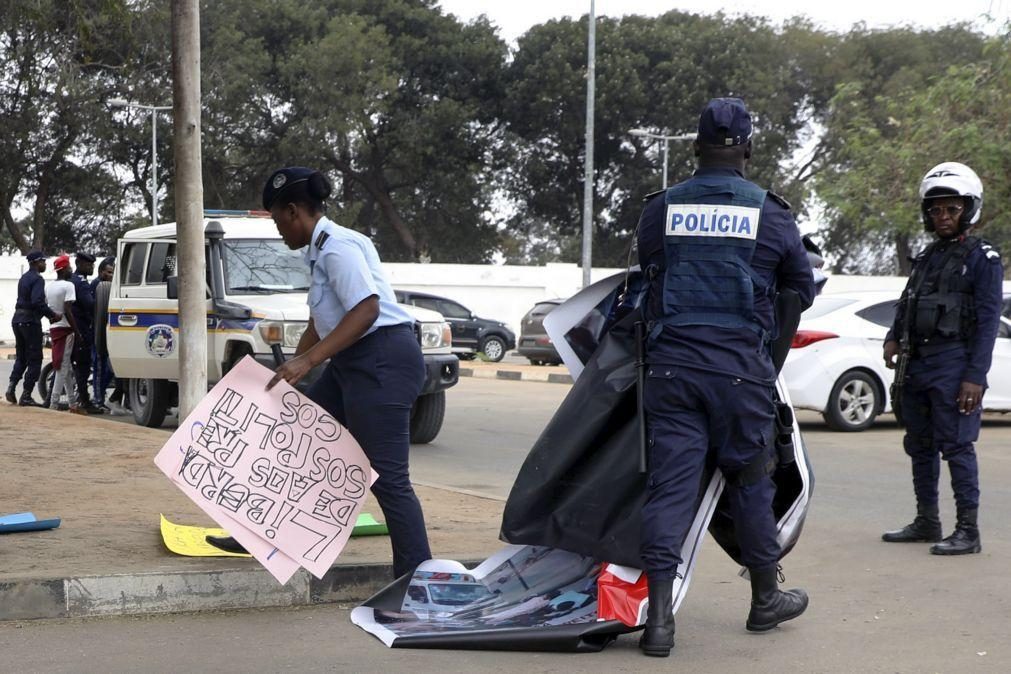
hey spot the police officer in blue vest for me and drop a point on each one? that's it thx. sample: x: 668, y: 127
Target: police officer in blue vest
x: 948, y: 316
x: 716, y: 249
x: 27, y: 324
x: 375, y: 368
x: 84, y: 312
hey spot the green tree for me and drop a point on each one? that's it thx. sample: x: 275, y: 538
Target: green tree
x: 395, y: 100
x: 58, y: 61
x: 655, y: 73
x: 883, y: 149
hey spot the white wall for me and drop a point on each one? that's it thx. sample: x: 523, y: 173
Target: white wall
x: 499, y: 292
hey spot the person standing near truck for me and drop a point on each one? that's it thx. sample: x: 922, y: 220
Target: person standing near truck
x: 27, y: 325
x: 84, y: 314
x: 61, y: 295
x: 376, y: 369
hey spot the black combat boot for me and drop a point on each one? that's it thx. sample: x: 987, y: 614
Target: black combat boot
x: 11, y: 396
x: 27, y: 400
x: 658, y: 637
x: 926, y: 528
x: 964, y: 540
x: 770, y: 605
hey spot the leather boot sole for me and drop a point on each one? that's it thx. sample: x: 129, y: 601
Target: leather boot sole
x: 936, y: 550
x: 919, y: 539
x: 653, y: 650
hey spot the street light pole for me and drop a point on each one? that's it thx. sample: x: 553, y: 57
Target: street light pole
x: 591, y: 50
x: 155, y: 109
x: 643, y: 133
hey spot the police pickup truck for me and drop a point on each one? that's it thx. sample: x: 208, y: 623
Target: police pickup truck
x: 256, y: 297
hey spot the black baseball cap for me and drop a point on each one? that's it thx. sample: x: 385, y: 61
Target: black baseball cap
x: 725, y: 121
x: 36, y: 255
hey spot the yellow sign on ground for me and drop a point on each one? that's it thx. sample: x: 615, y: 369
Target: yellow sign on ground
x: 192, y: 541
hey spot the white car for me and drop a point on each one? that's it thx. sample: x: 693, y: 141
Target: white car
x: 836, y: 366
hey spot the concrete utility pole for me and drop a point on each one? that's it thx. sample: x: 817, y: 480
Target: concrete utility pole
x: 191, y: 266
x: 591, y: 70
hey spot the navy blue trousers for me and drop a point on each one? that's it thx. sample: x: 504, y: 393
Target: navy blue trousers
x: 28, y: 358
x: 82, y: 361
x: 690, y: 413
x: 370, y: 388
x: 935, y: 429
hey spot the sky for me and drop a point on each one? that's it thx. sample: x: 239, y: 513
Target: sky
x: 514, y: 17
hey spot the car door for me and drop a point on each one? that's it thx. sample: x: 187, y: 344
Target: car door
x: 998, y: 395
x: 465, y: 328
x: 143, y: 324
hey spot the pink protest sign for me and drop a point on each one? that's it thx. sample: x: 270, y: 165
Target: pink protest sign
x: 275, y: 464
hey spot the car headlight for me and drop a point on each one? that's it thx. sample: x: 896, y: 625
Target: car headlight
x: 435, y: 335
x: 285, y: 333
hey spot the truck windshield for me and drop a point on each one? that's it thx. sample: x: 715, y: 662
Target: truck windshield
x: 263, y: 266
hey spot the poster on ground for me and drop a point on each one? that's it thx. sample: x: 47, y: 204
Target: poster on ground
x: 569, y: 581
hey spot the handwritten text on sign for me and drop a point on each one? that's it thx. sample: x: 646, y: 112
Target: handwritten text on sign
x: 273, y: 462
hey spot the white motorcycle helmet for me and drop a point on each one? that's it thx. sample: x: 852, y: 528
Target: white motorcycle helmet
x: 948, y: 180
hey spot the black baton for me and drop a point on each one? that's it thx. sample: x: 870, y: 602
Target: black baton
x: 640, y: 366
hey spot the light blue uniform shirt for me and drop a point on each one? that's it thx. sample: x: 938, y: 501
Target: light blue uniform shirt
x: 345, y: 271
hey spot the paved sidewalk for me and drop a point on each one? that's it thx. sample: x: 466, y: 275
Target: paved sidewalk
x: 107, y: 557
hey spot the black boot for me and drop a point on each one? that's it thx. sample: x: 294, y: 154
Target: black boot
x: 964, y: 540
x: 770, y: 605
x: 226, y: 543
x: 27, y: 400
x: 658, y: 637
x: 926, y: 528
x: 11, y: 396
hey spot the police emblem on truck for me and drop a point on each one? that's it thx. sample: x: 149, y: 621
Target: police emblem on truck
x: 160, y: 341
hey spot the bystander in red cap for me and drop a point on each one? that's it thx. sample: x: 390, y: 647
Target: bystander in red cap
x: 62, y: 262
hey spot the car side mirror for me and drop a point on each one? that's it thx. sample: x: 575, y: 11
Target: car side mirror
x: 172, y: 287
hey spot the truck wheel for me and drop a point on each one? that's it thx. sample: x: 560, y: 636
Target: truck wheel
x: 150, y: 400
x: 494, y: 348
x: 426, y: 417
x: 46, y: 380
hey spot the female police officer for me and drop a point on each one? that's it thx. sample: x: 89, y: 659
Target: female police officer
x: 376, y: 369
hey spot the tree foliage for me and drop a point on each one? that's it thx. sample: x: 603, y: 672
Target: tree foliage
x: 884, y: 145
x: 445, y: 145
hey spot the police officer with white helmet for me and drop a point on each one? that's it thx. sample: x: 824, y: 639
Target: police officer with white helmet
x: 715, y: 249
x: 946, y: 322
x: 376, y: 369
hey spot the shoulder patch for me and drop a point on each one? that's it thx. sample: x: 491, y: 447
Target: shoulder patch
x: 653, y: 194
x: 321, y: 240
x: 780, y: 200
x: 992, y: 252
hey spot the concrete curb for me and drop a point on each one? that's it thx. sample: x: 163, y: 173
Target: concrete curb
x: 141, y: 593
x: 516, y: 375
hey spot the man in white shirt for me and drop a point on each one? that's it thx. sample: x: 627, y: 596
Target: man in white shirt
x: 60, y: 296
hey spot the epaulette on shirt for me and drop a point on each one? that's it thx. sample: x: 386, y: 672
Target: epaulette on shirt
x: 780, y: 200
x: 653, y: 194
x: 321, y: 240
x: 992, y: 252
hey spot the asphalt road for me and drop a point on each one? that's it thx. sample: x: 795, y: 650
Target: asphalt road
x: 875, y: 607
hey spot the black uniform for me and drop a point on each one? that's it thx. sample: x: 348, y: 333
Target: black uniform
x: 84, y: 313
x: 27, y: 323
x: 956, y: 289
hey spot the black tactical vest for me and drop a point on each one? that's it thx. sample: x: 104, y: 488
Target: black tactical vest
x: 944, y: 312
